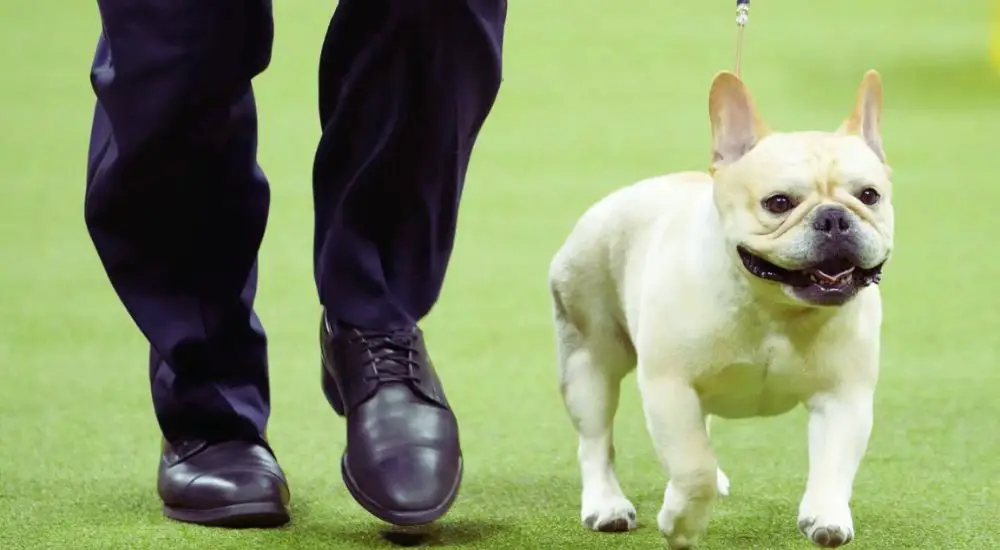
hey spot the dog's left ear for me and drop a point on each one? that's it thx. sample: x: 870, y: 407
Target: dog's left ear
x: 866, y: 118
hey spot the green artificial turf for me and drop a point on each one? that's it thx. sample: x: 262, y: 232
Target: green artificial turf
x: 597, y: 94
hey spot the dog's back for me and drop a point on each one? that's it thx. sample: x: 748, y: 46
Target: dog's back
x: 609, y: 243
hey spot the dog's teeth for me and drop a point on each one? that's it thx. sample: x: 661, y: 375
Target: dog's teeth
x: 838, y: 280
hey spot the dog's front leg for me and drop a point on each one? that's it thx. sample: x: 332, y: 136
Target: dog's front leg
x: 840, y: 423
x: 677, y: 427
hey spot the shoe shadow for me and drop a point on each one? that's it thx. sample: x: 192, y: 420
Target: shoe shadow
x: 461, y: 533
x: 449, y: 533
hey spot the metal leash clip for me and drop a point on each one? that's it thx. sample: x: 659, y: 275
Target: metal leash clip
x: 742, y: 17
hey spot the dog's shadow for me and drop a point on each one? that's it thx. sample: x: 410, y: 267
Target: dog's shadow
x: 741, y: 521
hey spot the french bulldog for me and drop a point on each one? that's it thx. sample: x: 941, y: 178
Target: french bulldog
x: 738, y: 292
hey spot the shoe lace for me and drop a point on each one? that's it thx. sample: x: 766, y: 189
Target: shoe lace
x: 389, y: 356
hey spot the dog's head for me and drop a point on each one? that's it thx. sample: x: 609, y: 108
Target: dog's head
x: 807, y: 215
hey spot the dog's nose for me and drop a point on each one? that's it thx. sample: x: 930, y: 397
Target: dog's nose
x: 832, y: 220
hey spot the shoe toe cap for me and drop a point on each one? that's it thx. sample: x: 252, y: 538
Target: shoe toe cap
x: 236, y: 487
x: 413, y: 479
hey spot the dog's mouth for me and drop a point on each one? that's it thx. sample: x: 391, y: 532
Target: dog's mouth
x: 836, y: 276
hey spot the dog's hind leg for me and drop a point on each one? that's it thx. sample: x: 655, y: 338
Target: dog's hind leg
x: 721, y: 480
x: 591, y: 372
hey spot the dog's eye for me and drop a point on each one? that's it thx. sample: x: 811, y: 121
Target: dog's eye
x: 778, y: 204
x: 869, y: 196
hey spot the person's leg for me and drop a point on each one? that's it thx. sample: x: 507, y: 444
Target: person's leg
x: 405, y: 86
x: 176, y: 207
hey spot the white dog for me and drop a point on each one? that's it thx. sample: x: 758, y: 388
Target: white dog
x: 738, y: 293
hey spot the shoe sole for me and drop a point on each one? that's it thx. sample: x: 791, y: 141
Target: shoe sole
x: 400, y: 518
x: 236, y: 516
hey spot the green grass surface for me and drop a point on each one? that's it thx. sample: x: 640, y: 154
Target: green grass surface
x: 595, y: 97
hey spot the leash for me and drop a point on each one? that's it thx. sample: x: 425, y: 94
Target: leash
x: 742, y: 17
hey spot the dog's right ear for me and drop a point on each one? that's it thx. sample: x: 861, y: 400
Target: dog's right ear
x: 736, y: 126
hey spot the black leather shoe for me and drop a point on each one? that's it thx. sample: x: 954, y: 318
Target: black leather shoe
x: 403, y: 462
x: 225, y: 484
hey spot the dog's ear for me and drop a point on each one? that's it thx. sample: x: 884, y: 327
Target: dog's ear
x: 866, y: 118
x: 736, y: 127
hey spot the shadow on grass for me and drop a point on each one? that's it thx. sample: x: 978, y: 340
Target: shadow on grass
x: 461, y: 532
x: 744, y: 521
x: 127, y: 514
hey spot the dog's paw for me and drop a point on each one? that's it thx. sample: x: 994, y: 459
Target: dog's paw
x: 722, y: 483
x: 608, y: 515
x: 676, y: 530
x: 681, y: 520
x: 673, y: 527
x: 828, y: 526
